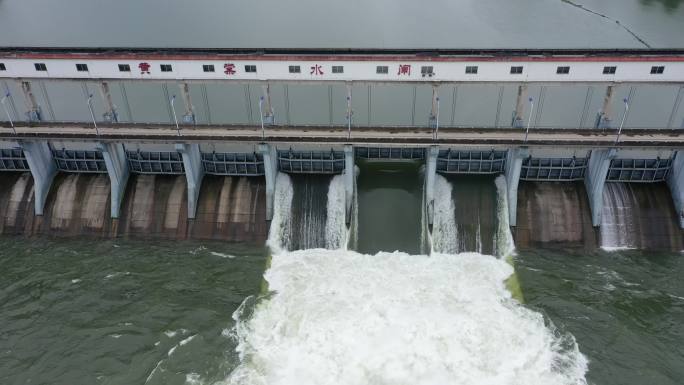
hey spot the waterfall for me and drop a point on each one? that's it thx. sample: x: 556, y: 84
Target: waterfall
x: 468, y: 218
x: 308, y: 213
x: 639, y: 215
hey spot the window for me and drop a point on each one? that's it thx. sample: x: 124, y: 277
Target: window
x: 381, y: 69
x: 563, y: 70
x: 427, y: 70
x: 2, y: 67
x: 295, y: 69
x: 82, y: 67
x: 250, y: 68
x: 516, y: 70
x: 471, y: 69
x: 338, y: 69
x: 208, y: 68
x: 657, y: 70
x: 165, y: 67
x: 124, y: 68
x: 40, y: 66
x: 609, y: 70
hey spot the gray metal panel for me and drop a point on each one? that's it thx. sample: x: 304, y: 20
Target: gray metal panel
x: 227, y: 103
x: 278, y: 103
x: 423, y: 107
x: 476, y: 105
x: 594, y: 104
x: 69, y: 101
x: 508, y: 100
x: 199, y: 104
x: 309, y: 104
x: 15, y: 103
x: 118, y: 91
x: 360, y: 104
x: 339, y: 105
x: 391, y: 104
x: 563, y: 106
x: 651, y: 106
x: 149, y: 104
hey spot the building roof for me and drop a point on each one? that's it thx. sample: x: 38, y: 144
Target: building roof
x: 349, y: 24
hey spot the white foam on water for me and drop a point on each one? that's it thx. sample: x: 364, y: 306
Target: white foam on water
x: 335, y: 226
x: 505, y: 244
x: 222, y: 255
x: 339, y: 317
x: 444, y: 230
x: 279, y: 233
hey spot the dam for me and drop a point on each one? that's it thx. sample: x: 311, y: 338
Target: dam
x: 283, y: 192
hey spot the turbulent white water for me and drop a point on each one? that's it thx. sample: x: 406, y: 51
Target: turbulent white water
x: 280, y: 233
x: 445, y: 236
x: 339, y: 317
x: 618, y: 230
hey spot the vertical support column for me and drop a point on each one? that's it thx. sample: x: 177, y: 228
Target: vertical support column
x: 110, y: 114
x: 434, y: 110
x: 520, y: 102
x: 32, y: 107
x: 271, y: 171
x: 43, y: 169
x: 189, y: 115
x: 595, y: 180
x: 430, y: 175
x: 514, y: 159
x: 348, y: 180
x: 605, y: 116
x: 267, y: 108
x: 676, y: 182
x: 194, y: 172
x: 114, y: 156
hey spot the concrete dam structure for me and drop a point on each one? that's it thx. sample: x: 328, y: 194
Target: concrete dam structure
x: 582, y: 146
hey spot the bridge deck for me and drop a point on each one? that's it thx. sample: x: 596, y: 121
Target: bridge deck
x: 381, y: 135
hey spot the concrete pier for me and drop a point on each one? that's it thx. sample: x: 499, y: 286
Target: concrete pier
x: 117, y: 167
x: 676, y: 182
x: 514, y: 160
x: 270, y: 171
x: 43, y: 170
x: 349, y: 180
x: 595, y: 180
x: 430, y: 174
x: 192, y: 162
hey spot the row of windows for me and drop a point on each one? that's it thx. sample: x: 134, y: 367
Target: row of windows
x: 293, y: 69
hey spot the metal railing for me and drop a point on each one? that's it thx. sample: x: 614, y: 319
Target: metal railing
x: 155, y: 162
x: 471, y: 162
x: 553, y: 169
x: 13, y: 160
x: 79, y: 161
x: 311, y: 162
x: 390, y: 153
x: 243, y: 164
x: 639, y: 170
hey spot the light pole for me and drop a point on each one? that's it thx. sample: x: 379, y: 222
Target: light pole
x: 92, y: 114
x: 434, y: 136
x: 624, y: 115
x: 529, y: 119
x: 261, y: 115
x: 349, y: 117
x: 173, y: 109
x: 7, y: 112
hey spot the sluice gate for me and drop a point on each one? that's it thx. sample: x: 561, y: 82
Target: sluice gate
x: 214, y: 190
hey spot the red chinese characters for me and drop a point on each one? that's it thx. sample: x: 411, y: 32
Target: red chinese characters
x: 229, y: 69
x: 316, y: 70
x: 404, y: 69
x: 144, y: 68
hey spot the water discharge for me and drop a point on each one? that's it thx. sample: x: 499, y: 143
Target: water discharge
x: 343, y: 317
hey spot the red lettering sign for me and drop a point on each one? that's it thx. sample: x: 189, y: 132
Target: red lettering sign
x: 229, y: 69
x: 316, y: 70
x: 404, y: 69
x: 144, y: 68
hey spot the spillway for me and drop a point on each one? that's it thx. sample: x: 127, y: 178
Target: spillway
x: 390, y: 200
x: 471, y: 215
x: 347, y: 317
x: 637, y: 215
x: 554, y: 213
